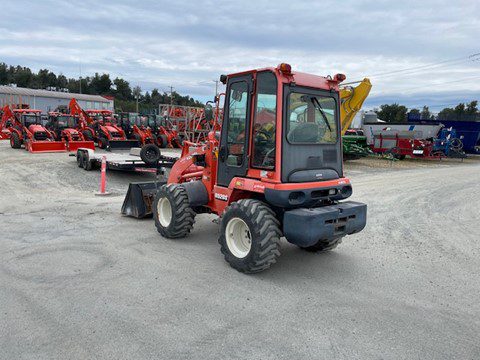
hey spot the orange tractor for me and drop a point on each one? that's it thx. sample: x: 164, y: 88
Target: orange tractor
x: 275, y: 169
x: 66, y: 128
x: 25, y: 128
x: 136, y: 127
x: 99, y: 126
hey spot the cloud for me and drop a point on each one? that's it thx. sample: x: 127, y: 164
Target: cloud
x: 188, y: 44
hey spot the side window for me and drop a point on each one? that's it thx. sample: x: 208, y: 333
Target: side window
x: 237, y: 119
x: 265, y: 121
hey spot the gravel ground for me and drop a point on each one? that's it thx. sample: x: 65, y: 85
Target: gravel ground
x: 80, y: 281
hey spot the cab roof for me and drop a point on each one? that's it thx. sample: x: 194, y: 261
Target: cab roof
x: 299, y: 78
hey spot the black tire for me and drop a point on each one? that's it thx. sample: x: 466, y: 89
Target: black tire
x: 87, y: 135
x: 264, y: 233
x: 182, y: 215
x: 80, y: 158
x: 150, y: 154
x: 102, y: 142
x: 139, y: 139
x: 323, y: 245
x: 15, y: 141
x: 87, y: 164
x: 162, y: 141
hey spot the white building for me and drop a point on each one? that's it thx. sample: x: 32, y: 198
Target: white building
x: 47, y: 100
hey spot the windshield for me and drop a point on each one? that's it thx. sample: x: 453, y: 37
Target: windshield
x: 31, y: 120
x: 311, y: 119
x: 66, y: 121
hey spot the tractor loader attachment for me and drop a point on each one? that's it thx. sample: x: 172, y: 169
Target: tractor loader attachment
x: 73, y: 146
x: 45, y: 146
x: 139, y: 199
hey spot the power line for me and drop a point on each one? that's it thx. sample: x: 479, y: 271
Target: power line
x: 472, y: 57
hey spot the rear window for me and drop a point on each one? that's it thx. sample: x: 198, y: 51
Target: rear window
x: 311, y: 119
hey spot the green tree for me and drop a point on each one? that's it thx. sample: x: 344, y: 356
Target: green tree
x: 471, y: 108
x: 123, y: 90
x: 392, y: 113
x: 425, y: 114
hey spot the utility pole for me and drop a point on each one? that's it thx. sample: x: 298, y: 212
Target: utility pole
x: 171, y: 95
x: 80, y: 77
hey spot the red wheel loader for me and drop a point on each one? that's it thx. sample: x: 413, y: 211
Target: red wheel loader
x: 66, y: 128
x: 25, y: 127
x: 267, y: 177
x: 99, y: 126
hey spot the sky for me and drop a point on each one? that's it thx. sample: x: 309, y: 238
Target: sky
x: 415, y: 52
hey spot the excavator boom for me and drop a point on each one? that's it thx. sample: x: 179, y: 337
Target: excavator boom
x: 352, y: 99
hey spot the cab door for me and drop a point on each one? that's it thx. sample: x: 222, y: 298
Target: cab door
x: 233, y: 152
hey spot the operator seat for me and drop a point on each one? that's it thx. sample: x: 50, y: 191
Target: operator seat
x: 304, y: 133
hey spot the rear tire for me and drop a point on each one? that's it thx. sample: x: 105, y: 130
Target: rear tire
x: 15, y: 141
x: 162, y: 141
x: 87, y: 135
x: 139, y: 139
x: 102, y: 143
x: 322, y: 245
x: 174, y: 218
x: 250, y: 236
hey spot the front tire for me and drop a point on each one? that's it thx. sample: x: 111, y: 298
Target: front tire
x: 15, y: 142
x: 322, y: 245
x: 250, y: 236
x: 174, y: 218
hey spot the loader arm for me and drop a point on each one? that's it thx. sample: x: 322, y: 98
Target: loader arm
x: 352, y: 99
x: 83, y: 117
x: 7, y: 115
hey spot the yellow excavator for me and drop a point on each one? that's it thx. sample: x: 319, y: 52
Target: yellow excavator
x: 352, y: 98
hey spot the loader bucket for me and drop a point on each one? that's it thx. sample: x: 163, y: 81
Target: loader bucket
x: 46, y: 146
x: 75, y: 145
x: 139, y: 199
x: 123, y: 144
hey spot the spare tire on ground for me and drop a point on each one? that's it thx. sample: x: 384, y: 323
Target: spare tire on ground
x: 150, y: 154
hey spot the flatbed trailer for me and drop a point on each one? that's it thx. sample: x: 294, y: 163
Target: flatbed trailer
x: 89, y: 159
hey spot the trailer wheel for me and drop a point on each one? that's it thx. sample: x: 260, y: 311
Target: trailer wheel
x: 87, y: 164
x: 162, y: 141
x: 323, y: 245
x: 174, y: 218
x: 15, y: 142
x: 250, y: 236
x: 150, y: 154
x: 80, y: 158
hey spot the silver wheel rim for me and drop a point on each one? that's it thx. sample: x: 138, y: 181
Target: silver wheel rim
x: 239, y: 238
x: 164, y: 210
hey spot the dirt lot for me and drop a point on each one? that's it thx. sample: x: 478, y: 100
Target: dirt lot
x: 80, y: 281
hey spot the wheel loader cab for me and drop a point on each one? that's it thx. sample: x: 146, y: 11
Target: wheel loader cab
x: 281, y: 126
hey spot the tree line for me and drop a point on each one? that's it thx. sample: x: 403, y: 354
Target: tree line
x: 98, y: 84
x: 400, y: 113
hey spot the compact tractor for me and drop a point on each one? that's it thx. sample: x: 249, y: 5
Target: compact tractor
x: 165, y: 134
x: 25, y: 128
x: 136, y: 127
x: 278, y: 174
x: 66, y: 127
x: 99, y: 126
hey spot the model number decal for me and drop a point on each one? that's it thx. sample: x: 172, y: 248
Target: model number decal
x: 221, y: 197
